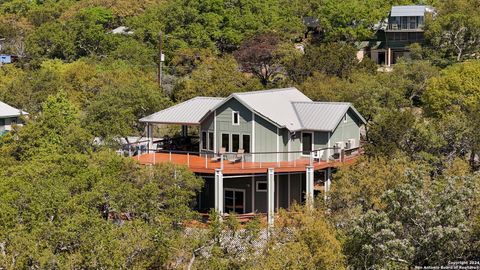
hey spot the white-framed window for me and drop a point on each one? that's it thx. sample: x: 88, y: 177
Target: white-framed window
x: 235, y: 118
x: 261, y: 186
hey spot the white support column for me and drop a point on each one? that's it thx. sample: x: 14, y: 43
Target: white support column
x: 328, y: 182
x: 271, y: 196
x: 219, y: 191
x: 309, y: 185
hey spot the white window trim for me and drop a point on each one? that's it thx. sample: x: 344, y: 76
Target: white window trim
x: 233, y: 118
x: 261, y: 190
x: 345, y: 118
x: 301, y: 142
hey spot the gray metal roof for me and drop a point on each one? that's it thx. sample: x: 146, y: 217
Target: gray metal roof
x: 189, y: 112
x: 402, y: 11
x: 9, y: 111
x: 275, y: 105
x: 286, y: 107
x: 322, y: 116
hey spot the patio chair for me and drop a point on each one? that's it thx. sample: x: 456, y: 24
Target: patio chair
x: 218, y: 157
x: 238, y: 157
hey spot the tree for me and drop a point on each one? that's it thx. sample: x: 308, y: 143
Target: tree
x: 424, y: 223
x: 258, y: 56
x: 66, y: 206
x: 455, y: 29
x: 334, y: 59
x: 115, y: 111
x: 219, y: 77
x: 303, y: 239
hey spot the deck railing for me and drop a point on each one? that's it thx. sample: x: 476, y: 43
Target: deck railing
x: 285, y: 159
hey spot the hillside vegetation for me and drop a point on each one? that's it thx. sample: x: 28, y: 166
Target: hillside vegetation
x: 65, y: 203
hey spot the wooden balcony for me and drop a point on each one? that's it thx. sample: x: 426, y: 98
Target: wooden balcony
x: 205, y: 164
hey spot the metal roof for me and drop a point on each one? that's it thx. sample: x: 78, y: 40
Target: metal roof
x: 286, y: 107
x: 9, y: 111
x: 275, y: 105
x: 402, y: 11
x: 323, y: 116
x: 189, y: 112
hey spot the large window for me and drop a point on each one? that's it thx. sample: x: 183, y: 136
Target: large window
x: 210, y: 141
x: 235, y: 118
x: 235, y: 142
x: 226, y: 142
x: 307, y: 141
x: 234, y: 201
x: 246, y: 143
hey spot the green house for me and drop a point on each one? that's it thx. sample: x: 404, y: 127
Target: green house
x: 260, y: 151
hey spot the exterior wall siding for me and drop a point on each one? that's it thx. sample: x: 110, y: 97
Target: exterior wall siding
x: 224, y: 123
x: 285, y: 194
x: 348, y: 130
x: 265, y: 140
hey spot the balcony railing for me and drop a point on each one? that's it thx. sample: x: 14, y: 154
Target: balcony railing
x: 245, y: 161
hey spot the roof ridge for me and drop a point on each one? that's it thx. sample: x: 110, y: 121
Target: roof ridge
x: 324, y: 102
x: 267, y: 90
x: 203, y: 97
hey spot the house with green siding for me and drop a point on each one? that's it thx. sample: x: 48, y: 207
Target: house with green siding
x: 260, y: 151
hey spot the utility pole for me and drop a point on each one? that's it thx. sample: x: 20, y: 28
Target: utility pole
x: 160, y: 58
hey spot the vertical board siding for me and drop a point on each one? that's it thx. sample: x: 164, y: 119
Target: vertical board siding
x: 348, y: 130
x: 265, y: 140
x: 224, y: 121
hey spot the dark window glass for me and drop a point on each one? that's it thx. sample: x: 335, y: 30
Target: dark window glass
x: 229, y: 201
x: 246, y: 143
x: 262, y: 186
x: 226, y: 142
x: 306, y: 143
x: 210, y: 141
x: 204, y: 140
x: 235, y: 142
x: 235, y: 118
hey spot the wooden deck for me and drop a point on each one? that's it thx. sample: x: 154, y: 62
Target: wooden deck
x: 199, y: 164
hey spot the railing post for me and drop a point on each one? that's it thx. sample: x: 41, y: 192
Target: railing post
x: 154, y: 158
x: 243, y: 161
x: 311, y: 159
x: 221, y: 161
x: 170, y: 156
x: 206, y: 161
x: 188, y: 159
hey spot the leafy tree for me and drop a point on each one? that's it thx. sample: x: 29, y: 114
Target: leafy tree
x: 424, y: 223
x: 303, y: 240
x: 116, y: 109
x: 65, y: 206
x: 455, y: 29
x: 259, y: 56
x: 330, y: 58
x: 215, y: 78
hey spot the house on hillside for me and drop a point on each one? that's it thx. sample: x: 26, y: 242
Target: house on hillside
x: 260, y: 151
x: 8, y: 117
x: 405, y: 26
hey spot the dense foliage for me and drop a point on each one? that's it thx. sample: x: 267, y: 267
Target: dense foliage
x: 413, y: 200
